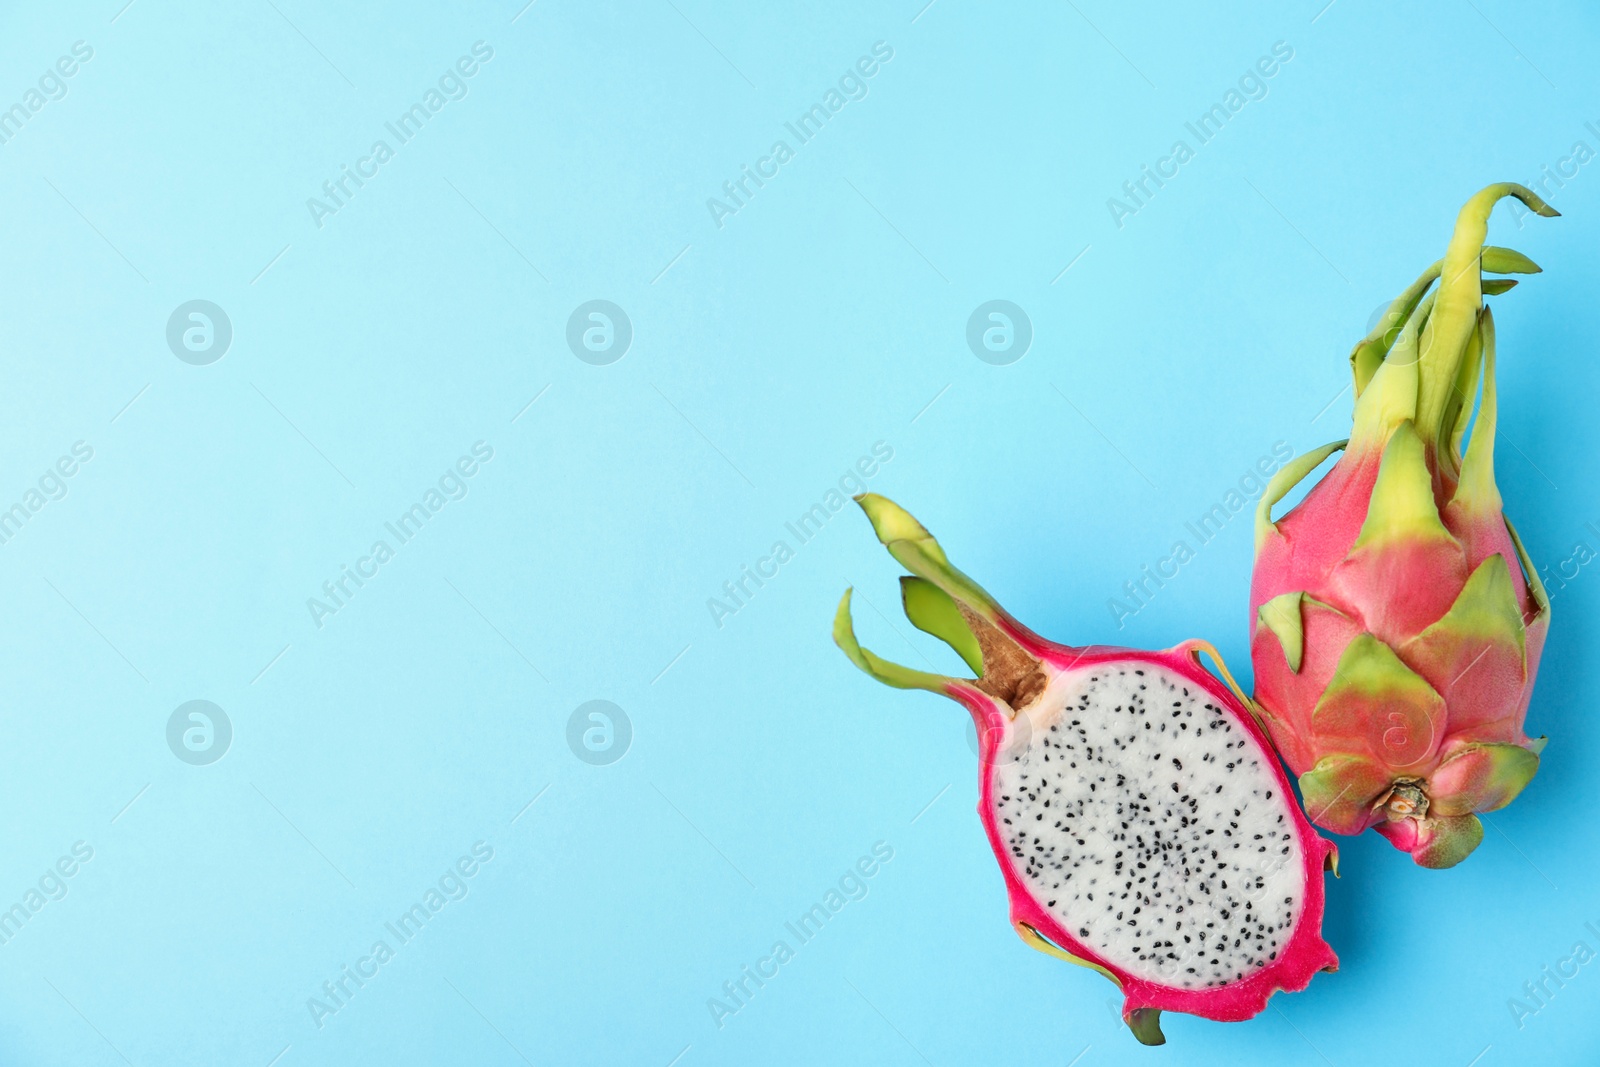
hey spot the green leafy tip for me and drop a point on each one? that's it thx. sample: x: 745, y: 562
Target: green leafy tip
x: 1455, y: 314
x: 909, y: 542
x: 1447, y: 841
x: 932, y: 611
x: 1282, y: 484
x: 883, y: 670
x: 1281, y: 616
x: 935, y: 596
x: 941, y: 601
x: 1146, y: 1025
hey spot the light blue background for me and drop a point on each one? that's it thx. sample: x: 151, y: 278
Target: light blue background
x: 769, y: 354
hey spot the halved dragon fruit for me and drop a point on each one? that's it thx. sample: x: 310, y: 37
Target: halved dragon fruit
x: 1142, y: 822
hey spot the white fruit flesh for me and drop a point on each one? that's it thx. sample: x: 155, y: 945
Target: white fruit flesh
x: 1149, y: 824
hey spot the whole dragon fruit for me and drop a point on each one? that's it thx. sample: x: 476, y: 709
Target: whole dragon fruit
x: 1143, y: 825
x: 1396, y: 619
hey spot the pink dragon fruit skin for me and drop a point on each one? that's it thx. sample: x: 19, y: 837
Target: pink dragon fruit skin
x: 1143, y: 825
x: 1396, y: 619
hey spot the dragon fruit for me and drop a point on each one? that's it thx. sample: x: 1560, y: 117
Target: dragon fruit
x: 1396, y: 619
x: 1143, y: 825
